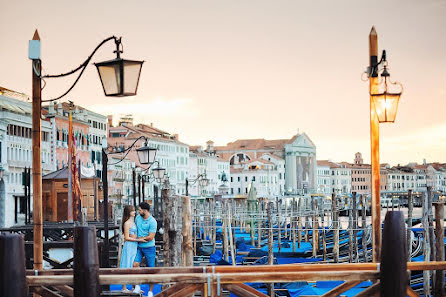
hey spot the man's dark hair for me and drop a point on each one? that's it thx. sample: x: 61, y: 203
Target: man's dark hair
x: 145, y: 205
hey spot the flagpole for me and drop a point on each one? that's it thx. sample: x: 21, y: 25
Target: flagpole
x: 70, y: 170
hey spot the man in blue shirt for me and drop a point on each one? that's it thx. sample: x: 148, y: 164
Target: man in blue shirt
x: 146, y: 229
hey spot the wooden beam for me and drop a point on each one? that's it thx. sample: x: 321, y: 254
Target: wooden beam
x: 434, y: 265
x: 411, y: 292
x: 341, y: 288
x: 173, y: 289
x: 66, y: 290
x: 242, y: 291
x: 186, y: 291
x: 267, y: 277
x: 45, y: 292
x: 370, y: 291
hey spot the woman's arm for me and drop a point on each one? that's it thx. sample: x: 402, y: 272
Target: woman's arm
x: 127, y: 234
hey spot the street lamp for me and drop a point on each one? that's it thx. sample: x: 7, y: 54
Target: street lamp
x: 126, y: 82
x: 383, y: 108
x: 202, y: 180
x: 146, y: 155
x: 386, y: 102
x: 119, y: 77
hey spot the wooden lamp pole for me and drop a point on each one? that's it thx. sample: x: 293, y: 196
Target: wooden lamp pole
x: 374, y: 140
x: 37, y: 163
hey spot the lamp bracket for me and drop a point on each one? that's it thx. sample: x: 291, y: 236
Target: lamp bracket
x: 83, y: 66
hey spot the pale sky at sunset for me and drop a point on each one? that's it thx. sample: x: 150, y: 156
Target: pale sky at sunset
x: 232, y: 69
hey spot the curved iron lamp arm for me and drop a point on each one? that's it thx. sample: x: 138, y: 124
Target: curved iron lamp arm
x: 83, y: 66
x: 126, y: 151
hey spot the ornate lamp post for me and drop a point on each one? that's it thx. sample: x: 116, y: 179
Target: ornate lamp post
x: 126, y: 82
x: 203, y: 182
x: 146, y: 156
x: 383, y: 108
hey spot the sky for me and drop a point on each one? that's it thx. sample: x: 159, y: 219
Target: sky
x: 235, y: 69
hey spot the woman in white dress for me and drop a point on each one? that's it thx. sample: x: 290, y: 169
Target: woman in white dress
x: 130, y: 247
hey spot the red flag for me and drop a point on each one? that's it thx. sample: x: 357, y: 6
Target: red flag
x: 76, y: 187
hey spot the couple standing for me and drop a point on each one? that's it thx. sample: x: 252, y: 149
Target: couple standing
x: 139, y: 240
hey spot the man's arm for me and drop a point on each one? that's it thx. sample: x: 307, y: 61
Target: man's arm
x: 148, y: 238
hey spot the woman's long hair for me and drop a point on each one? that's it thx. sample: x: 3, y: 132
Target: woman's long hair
x: 126, y: 214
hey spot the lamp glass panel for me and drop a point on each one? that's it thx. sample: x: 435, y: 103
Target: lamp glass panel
x: 143, y: 155
x: 152, y: 154
x: 386, y: 107
x: 158, y: 173
x: 111, y: 78
x: 131, y: 76
x: 204, y: 182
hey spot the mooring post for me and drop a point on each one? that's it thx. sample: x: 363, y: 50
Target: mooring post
x: 409, y: 225
x: 299, y: 224
x: 324, y: 239
x: 231, y: 239
x: 426, y: 245
x: 355, y: 229
x: 394, y: 277
x: 364, y: 227
x: 86, y: 262
x: 314, y: 230
x: 270, y: 243
x: 188, y: 254
x: 259, y: 224
x: 278, y: 223
x: 439, y: 246
x: 13, y: 267
x: 334, y: 207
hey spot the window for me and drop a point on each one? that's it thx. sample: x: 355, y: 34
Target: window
x: 246, y: 178
x: 232, y: 179
x: 238, y: 178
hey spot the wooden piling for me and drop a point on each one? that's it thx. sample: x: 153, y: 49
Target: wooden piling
x: 259, y: 224
x: 270, y: 244
x: 86, y: 262
x: 409, y: 225
x: 315, y: 237
x: 364, y: 227
x: 293, y: 223
x: 439, y: 246
x: 430, y: 217
x: 231, y: 239
x: 12, y: 269
x: 188, y: 254
x: 324, y: 239
x: 172, y: 236
x: 426, y: 245
x: 355, y: 229
x: 334, y: 207
x: 278, y: 224
x: 225, y: 239
x: 350, y: 230
x: 270, y: 233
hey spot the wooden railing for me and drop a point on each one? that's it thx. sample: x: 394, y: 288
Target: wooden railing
x: 211, y: 280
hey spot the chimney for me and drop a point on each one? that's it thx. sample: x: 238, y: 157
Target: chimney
x: 210, y: 146
x: 424, y: 162
x: 51, y: 110
x: 175, y: 136
x: 151, y: 124
x: 60, y: 109
x: 110, y: 120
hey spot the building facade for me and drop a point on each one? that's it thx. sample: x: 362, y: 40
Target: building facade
x: 298, y: 155
x: 16, y: 154
x: 171, y: 154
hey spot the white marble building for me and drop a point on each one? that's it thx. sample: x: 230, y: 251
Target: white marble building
x: 16, y: 153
